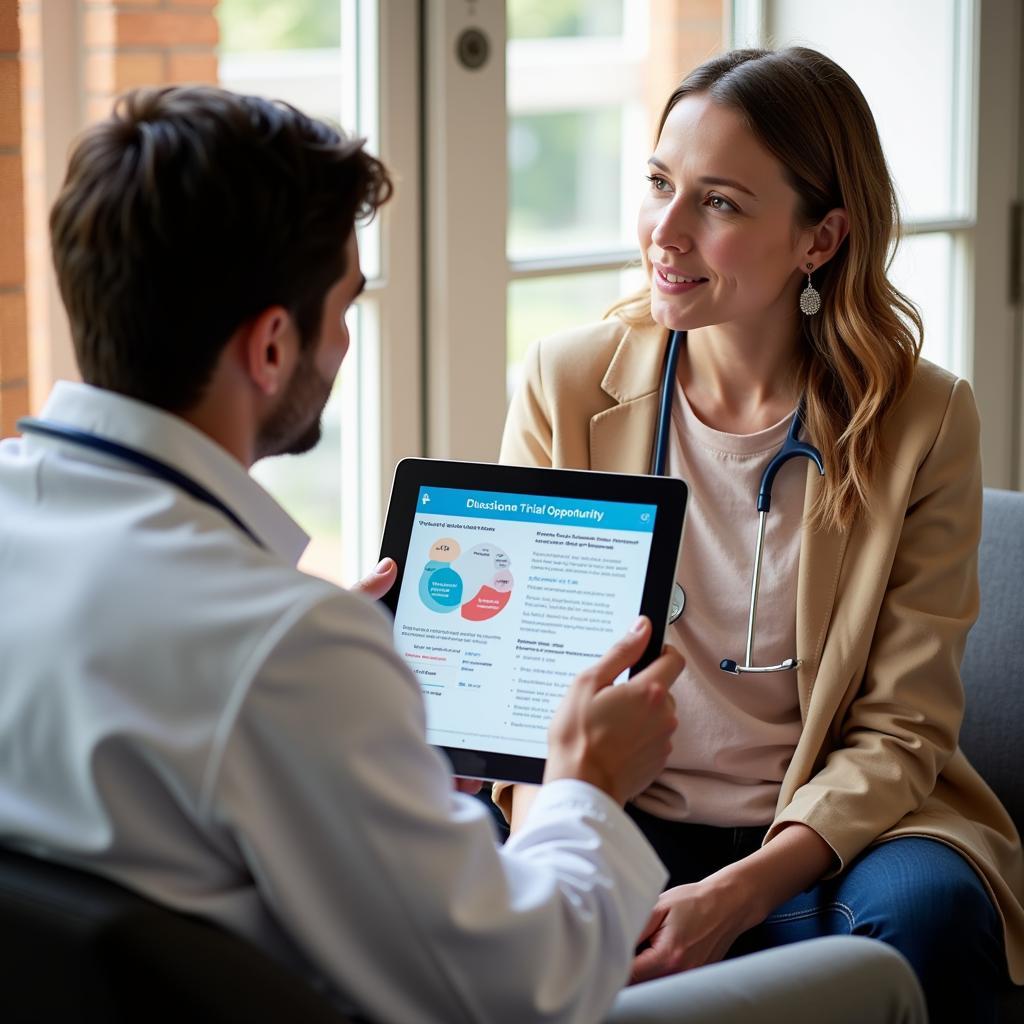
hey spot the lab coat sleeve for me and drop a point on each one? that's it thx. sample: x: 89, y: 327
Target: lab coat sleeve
x: 903, y: 725
x: 390, y: 884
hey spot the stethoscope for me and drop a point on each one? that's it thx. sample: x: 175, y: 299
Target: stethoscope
x: 152, y: 466
x: 791, y: 448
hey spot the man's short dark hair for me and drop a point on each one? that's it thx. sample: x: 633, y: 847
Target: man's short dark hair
x: 186, y: 213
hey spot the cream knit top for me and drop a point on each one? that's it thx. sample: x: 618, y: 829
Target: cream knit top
x: 736, y: 734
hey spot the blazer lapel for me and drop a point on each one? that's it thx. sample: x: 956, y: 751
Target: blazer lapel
x: 821, y: 559
x: 622, y: 437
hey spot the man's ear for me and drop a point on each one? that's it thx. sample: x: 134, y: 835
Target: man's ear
x: 269, y: 347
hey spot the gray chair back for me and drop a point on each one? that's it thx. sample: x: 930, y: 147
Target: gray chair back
x: 75, y: 947
x: 992, y: 736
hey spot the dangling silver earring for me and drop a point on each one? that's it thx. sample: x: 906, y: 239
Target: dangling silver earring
x: 810, y: 298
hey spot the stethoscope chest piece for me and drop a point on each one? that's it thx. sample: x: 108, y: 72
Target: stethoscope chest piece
x: 678, y: 603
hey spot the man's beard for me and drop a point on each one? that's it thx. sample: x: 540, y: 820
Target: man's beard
x: 293, y: 425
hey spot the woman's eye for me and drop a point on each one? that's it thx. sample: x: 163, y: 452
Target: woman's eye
x: 720, y: 203
x: 658, y: 183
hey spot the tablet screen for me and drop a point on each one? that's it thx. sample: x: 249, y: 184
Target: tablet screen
x: 505, y: 598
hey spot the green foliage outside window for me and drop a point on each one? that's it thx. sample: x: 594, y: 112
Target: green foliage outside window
x: 548, y: 19
x: 259, y: 25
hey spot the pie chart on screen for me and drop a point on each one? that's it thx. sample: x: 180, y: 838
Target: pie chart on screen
x: 477, y: 582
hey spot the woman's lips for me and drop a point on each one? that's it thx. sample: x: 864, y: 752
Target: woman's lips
x: 672, y: 283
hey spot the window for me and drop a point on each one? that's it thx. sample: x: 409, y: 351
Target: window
x: 943, y: 79
x: 324, y: 56
x: 581, y: 87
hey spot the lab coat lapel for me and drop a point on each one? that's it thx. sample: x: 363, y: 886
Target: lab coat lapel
x: 622, y: 437
x: 821, y: 559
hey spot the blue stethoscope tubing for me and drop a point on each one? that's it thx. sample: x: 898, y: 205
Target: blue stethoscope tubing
x: 792, y: 448
x: 152, y: 466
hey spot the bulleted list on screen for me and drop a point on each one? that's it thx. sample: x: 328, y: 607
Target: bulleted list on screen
x: 505, y: 599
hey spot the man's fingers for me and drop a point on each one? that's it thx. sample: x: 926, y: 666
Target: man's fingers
x: 625, y: 653
x: 664, y: 670
x: 468, y: 786
x: 651, y: 927
x: 647, y: 965
x: 379, y: 582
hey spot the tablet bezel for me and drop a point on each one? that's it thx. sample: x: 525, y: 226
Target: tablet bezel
x: 668, y: 494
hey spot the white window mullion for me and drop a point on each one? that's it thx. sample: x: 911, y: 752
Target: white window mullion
x: 381, y: 380
x: 466, y: 202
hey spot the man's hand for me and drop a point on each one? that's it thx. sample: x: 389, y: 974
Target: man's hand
x: 379, y: 582
x: 692, y: 925
x: 616, y: 737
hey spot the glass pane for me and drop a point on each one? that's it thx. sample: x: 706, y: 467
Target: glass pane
x: 548, y: 19
x: 294, y: 52
x: 309, y: 486
x: 255, y: 25
x: 565, y: 180
x: 543, y: 305
x: 925, y: 271
x: 907, y: 59
x: 579, y: 127
x: 284, y: 51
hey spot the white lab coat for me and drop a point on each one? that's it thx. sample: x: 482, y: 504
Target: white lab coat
x: 195, y: 718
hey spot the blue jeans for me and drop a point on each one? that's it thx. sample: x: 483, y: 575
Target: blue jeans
x: 916, y: 894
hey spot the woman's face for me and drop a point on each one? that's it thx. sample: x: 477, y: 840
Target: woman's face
x: 718, y: 225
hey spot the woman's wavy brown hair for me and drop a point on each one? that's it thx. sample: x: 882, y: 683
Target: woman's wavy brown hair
x: 861, y: 349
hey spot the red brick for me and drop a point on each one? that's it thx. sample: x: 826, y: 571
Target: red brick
x: 165, y: 28
x: 13, y: 336
x: 12, y: 216
x: 697, y: 10
x: 192, y: 67
x: 98, y: 108
x: 107, y: 73
x: 10, y: 102
x: 13, y: 405
x: 99, y: 28
x: 10, y: 36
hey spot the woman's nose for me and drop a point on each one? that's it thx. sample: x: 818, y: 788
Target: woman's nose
x: 673, y: 230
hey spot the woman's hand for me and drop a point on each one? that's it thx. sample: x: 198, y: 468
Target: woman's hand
x: 692, y: 925
x: 695, y: 924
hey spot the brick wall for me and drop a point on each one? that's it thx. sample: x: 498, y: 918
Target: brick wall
x: 684, y: 33
x: 13, y: 351
x: 61, y: 65
x: 145, y: 42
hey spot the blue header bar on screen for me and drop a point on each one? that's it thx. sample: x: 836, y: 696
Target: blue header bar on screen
x: 530, y: 508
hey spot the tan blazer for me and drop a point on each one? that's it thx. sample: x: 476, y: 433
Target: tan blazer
x: 883, y: 609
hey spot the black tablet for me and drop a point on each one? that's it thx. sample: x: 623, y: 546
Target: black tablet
x: 510, y: 582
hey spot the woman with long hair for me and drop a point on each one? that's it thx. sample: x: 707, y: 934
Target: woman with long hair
x: 829, y: 795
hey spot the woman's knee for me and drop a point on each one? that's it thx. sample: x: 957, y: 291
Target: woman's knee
x: 920, y: 896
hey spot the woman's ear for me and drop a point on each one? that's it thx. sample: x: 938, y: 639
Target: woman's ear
x: 269, y: 347
x: 826, y: 237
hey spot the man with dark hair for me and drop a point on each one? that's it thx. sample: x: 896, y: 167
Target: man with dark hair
x: 186, y: 713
